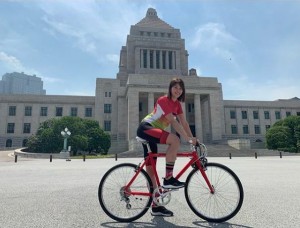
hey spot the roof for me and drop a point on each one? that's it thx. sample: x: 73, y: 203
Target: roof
x: 153, y: 21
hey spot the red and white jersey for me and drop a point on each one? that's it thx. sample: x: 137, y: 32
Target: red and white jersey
x: 163, y: 107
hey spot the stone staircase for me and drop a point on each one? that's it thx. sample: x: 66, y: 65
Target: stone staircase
x: 216, y: 150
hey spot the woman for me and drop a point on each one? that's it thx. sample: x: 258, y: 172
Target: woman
x: 167, y: 111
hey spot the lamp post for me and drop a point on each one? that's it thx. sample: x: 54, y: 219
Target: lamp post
x: 65, y: 134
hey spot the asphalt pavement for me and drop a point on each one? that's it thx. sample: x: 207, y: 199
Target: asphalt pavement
x: 40, y: 193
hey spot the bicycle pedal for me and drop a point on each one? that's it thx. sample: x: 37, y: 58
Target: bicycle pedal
x: 171, y: 189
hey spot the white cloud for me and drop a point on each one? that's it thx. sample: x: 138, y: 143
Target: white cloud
x: 11, y: 62
x: 214, y: 38
x: 113, y: 58
x: 51, y: 79
x: 212, y: 35
x: 92, y: 25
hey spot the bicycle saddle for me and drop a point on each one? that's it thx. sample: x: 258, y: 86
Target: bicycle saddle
x: 141, y: 140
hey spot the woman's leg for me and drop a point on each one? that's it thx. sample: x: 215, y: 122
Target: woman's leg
x: 171, y: 154
x: 174, y: 143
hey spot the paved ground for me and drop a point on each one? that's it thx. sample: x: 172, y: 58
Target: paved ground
x: 37, y: 193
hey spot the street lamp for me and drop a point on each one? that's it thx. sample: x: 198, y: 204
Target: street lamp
x: 65, y: 134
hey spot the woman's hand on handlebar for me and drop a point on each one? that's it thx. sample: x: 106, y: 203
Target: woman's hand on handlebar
x: 193, y: 140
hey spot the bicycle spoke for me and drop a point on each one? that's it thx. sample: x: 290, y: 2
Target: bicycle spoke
x: 119, y: 203
x: 226, y: 200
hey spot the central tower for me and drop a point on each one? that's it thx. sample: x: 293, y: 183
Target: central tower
x: 153, y: 47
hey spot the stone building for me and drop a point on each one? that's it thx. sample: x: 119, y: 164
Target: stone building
x: 154, y: 54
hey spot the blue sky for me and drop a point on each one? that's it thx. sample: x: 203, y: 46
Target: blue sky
x: 251, y: 46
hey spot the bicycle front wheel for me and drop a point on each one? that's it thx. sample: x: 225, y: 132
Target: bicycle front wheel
x: 224, y: 202
x: 118, y: 202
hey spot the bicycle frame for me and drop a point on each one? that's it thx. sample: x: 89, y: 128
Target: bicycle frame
x: 150, y: 158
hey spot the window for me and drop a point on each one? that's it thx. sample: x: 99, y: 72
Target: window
x: 24, y: 142
x: 245, y: 129
x: 8, y: 143
x: 232, y: 114
x: 255, y: 115
x: 88, y: 112
x: 59, y: 111
x: 288, y: 114
x: 191, y: 107
x: 107, y: 125
x: 267, y: 115
x: 140, y: 107
x: 12, y: 110
x: 11, y: 128
x: 277, y: 115
x: 244, y: 115
x: 28, y: 110
x: 107, y: 108
x: 107, y: 94
x: 145, y: 58
x: 267, y: 127
x: 44, y: 111
x: 164, y: 59
x: 74, y: 111
x: 298, y: 113
x: 170, y: 53
x: 26, y: 128
x: 151, y: 59
x: 157, y: 59
x: 256, y: 129
x: 233, y: 129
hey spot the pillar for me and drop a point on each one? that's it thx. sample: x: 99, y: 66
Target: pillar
x: 133, y: 113
x: 198, y: 118
x: 150, y: 102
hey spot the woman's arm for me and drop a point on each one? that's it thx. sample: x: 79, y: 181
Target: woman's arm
x: 179, y: 128
x: 186, y: 127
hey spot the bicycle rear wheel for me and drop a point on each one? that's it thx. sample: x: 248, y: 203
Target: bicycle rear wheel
x: 119, y: 204
x: 226, y: 200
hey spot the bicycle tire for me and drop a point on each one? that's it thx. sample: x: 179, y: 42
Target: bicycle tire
x: 110, y: 193
x: 221, y: 205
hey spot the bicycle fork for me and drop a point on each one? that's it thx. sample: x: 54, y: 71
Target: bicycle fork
x: 203, y: 173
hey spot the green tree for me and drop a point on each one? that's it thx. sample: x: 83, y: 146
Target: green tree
x: 86, y: 135
x: 285, y: 134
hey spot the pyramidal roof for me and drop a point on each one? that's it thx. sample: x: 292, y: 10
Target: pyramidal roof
x: 152, y: 20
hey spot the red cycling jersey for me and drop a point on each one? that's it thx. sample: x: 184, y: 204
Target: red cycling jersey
x: 163, y: 107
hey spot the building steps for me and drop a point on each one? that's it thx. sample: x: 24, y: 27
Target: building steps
x: 216, y: 150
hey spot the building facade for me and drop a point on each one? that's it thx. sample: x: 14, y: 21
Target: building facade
x: 20, y: 83
x: 154, y: 54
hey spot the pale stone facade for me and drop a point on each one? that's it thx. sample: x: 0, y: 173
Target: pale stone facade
x: 153, y: 55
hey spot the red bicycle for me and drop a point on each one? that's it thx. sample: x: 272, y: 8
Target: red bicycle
x: 212, y: 190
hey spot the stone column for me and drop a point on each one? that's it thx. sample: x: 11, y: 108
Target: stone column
x: 198, y: 122
x: 183, y: 108
x: 174, y: 60
x: 133, y: 113
x: 150, y: 102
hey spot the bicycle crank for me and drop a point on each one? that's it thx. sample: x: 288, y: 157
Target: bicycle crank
x: 161, y: 196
